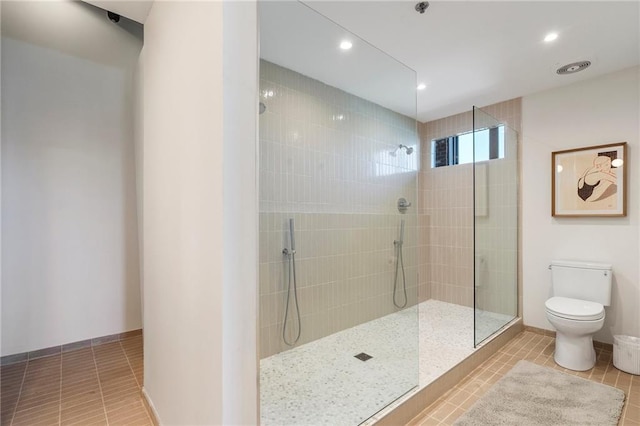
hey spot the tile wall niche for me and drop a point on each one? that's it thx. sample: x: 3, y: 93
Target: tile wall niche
x: 446, y: 220
x: 325, y: 161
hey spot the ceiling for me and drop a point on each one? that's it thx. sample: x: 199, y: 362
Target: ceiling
x: 136, y: 10
x: 468, y: 53
x: 296, y: 37
x: 75, y: 28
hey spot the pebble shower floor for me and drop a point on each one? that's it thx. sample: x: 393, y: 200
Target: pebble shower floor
x: 321, y: 382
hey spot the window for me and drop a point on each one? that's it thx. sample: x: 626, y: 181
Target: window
x: 459, y: 149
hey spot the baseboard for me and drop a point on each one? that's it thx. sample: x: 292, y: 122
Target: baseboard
x: 55, y: 350
x: 551, y: 333
x: 541, y: 331
x: 151, y: 409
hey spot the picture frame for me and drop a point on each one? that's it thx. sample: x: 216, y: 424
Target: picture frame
x: 589, y: 181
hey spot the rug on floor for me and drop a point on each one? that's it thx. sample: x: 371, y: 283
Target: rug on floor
x: 530, y: 394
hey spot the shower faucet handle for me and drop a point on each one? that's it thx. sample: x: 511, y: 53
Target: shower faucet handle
x: 403, y: 205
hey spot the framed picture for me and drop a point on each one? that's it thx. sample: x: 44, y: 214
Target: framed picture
x: 589, y: 181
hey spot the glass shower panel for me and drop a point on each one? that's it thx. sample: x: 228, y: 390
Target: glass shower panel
x: 338, y: 148
x: 495, y: 170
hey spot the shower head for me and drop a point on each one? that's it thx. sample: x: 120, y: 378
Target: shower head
x: 408, y: 150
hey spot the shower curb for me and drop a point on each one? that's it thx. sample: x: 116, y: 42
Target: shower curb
x: 403, y: 412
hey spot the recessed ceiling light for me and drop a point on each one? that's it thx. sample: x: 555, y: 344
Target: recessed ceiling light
x: 550, y: 37
x: 422, y: 86
x: 346, y: 45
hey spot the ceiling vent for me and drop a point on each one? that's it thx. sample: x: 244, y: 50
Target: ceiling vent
x: 573, y: 68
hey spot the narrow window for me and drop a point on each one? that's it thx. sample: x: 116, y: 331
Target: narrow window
x: 459, y: 149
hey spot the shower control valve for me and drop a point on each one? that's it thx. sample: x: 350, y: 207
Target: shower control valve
x: 403, y: 205
x: 288, y: 252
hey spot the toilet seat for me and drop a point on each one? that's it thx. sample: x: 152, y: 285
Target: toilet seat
x: 574, y: 309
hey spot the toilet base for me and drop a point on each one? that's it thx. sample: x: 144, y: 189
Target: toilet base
x: 574, y: 352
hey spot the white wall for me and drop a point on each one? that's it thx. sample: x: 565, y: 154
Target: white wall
x: 240, y: 212
x: 200, y: 212
x: 594, y: 112
x: 69, y: 226
x: 138, y: 130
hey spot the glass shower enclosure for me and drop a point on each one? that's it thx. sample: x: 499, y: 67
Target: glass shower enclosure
x: 338, y: 249
x: 495, y: 175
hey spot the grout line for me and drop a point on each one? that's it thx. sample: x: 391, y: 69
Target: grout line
x: 24, y: 375
x: 611, y: 367
x: 598, y: 354
x: 465, y: 400
x: 627, y: 394
x: 129, y: 364
x: 598, y: 351
x: 104, y: 407
x: 136, y: 379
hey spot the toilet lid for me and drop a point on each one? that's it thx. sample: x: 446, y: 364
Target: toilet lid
x: 575, y: 309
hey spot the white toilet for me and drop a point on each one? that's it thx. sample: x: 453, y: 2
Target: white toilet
x: 581, y: 290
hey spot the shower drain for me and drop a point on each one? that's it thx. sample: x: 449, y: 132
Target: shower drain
x: 363, y: 357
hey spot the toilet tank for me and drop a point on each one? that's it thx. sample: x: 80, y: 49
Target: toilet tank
x: 582, y: 280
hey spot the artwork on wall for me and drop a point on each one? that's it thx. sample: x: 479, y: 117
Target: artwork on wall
x: 589, y: 181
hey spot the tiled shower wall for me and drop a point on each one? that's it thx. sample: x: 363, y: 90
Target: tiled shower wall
x: 446, y: 220
x: 326, y: 162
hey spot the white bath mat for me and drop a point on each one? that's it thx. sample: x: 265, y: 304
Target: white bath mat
x: 531, y: 395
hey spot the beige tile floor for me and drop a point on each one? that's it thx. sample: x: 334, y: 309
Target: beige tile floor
x: 98, y: 385
x: 538, y: 349
x: 101, y: 385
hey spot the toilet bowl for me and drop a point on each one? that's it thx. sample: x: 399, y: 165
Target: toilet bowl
x: 575, y: 321
x: 581, y: 290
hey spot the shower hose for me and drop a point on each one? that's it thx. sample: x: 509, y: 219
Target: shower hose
x: 399, y: 262
x: 292, y: 273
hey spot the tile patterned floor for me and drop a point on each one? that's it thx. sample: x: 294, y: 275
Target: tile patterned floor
x: 538, y: 349
x: 98, y: 385
x: 101, y: 385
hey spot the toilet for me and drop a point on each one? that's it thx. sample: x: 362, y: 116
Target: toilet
x: 581, y: 290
